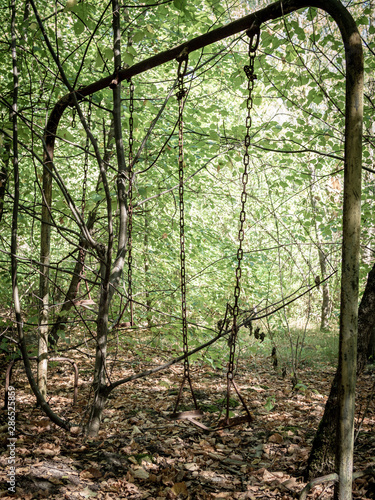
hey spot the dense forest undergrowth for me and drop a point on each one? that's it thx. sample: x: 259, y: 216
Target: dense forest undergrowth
x: 141, y: 453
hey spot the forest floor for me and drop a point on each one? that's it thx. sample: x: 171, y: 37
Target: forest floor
x: 142, y: 454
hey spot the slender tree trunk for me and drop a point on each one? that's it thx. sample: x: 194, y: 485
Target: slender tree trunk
x: 322, y: 456
x: 146, y: 267
x: 60, y: 322
x: 326, y: 308
x: 4, y: 176
x: 100, y: 378
x: 45, y: 257
x: 326, y: 302
x: 45, y: 237
x: 14, y: 246
x: 110, y: 278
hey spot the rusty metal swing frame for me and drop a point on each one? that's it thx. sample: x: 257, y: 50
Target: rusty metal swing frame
x: 254, y: 36
x: 352, y: 164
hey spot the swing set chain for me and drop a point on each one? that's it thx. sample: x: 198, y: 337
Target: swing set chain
x: 130, y: 198
x: 251, y: 77
x: 181, y: 93
x: 86, y: 164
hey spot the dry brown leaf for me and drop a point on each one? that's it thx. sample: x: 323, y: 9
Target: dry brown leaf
x: 91, y: 473
x: 276, y: 438
x: 180, y: 488
x: 48, y: 449
x: 267, y: 476
x: 191, y: 466
x: 140, y: 473
x: 257, y: 388
x: 154, y: 478
x: 290, y: 483
x: 74, y: 431
x: 136, y: 430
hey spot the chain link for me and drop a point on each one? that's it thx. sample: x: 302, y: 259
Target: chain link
x: 130, y: 199
x: 251, y: 77
x: 86, y: 164
x: 82, y: 252
x: 73, y: 123
x: 181, y: 93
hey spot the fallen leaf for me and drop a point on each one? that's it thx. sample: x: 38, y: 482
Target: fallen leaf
x: 180, y: 488
x: 48, y: 449
x: 74, y: 431
x: 91, y: 473
x: 276, y: 438
x: 191, y: 466
x: 87, y: 493
x: 140, y: 473
x: 290, y: 483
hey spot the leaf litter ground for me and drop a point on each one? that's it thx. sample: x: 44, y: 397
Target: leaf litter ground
x: 141, y: 454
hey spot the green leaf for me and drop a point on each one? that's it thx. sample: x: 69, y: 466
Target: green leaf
x: 128, y: 58
x: 131, y: 50
x: 96, y: 197
x: 98, y: 60
x: 70, y: 5
x: 313, y: 13
x: 108, y: 53
x: 214, y: 135
x: 179, y: 4
x: 138, y: 36
x: 270, y: 403
x: 78, y: 27
x: 65, y: 134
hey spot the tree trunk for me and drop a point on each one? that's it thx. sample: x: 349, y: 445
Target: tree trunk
x: 146, y: 268
x: 322, y: 456
x: 45, y: 257
x: 371, y: 348
x: 326, y: 301
x: 14, y: 243
x: 4, y: 175
x: 60, y: 322
x: 100, y: 378
x: 110, y: 278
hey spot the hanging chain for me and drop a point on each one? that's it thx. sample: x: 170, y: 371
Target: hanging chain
x: 251, y: 77
x: 130, y: 198
x: 82, y: 251
x: 182, y: 67
x: 73, y: 123
x: 181, y: 93
x: 86, y: 164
